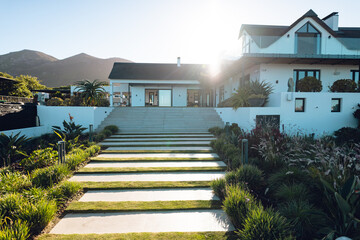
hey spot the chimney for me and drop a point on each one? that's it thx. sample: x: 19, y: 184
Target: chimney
x: 332, y: 21
x: 178, y: 62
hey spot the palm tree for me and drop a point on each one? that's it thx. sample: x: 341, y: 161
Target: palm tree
x: 91, y: 92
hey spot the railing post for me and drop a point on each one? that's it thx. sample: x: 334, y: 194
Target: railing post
x: 244, y: 151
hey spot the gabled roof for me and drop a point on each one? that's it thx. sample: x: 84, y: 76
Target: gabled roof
x: 276, y: 32
x: 158, y: 71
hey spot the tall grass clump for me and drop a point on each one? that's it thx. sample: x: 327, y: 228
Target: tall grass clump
x: 62, y: 192
x: 47, y: 177
x: 219, y: 187
x: 17, y: 230
x: 292, y: 192
x: 39, y: 159
x: 12, y: 182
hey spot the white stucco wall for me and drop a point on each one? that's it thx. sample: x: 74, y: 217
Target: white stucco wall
x: 317, y: 117
x: 29, y: 132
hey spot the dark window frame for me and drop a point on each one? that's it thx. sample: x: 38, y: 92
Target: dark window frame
x: 303, y: 100
x: 339, y: 99
x: 298, y: 34
x: 297, y: 71
x: 353, y: 75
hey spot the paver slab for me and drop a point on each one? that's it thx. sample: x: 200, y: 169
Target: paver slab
x: 183, y: 194
x: 156, y: 164
x: 161, y: 135
x: 156, y: 139
x: 160, y: 148
x: 162, y: 177
x: 162, y: 221
x: 169, y: 143
x: 158, y: 155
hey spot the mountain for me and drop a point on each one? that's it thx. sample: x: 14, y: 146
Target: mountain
x: 54, y: 72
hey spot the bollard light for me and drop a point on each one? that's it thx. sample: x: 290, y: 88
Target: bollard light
x: 61, y: 152
x: 244, y: 151
x: 91, y: 132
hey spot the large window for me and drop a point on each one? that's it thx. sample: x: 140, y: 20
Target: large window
x: 355, y: 76
x: 301, y: 73
x: 307, y: 40
x: 221, y: 94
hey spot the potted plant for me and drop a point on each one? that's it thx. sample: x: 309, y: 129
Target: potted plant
x: 256, y: 100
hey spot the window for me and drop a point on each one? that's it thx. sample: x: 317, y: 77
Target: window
x: 355, y: 76
x: 299, y: 104
x: 245, y: 44
x: 307, y: 40
x: 300, y: 74
x: 335, y: 104
x: 221, y: 94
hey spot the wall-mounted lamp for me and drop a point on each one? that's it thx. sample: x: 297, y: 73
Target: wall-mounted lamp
x: 277, y: 81
x: 329, y: 37
x: 288, y: 35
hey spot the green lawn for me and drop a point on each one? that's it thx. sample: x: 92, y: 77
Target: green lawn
x: 143, y: 185
x: 145, y: 236
x: 126, y: 206
x: 149, y: 169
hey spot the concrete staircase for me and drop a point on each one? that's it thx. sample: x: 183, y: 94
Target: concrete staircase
x: 158, y: 120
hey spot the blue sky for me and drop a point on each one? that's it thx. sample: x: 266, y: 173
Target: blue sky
x: 199, y: 31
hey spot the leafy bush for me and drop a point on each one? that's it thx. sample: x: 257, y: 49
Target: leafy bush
x: 252, y: 176
x: 357, y: 113
x: 347, y: 135
x: 46, y: 177
x: 219, y: 187
x: 217, y: 131
x: 237, y: 204
x: 64, y: 191
x: 309, y: 84
x: 35, y: 194
x: 39, y: 159
x: 265, y: 224
x: 15, y: 230
x: 71, y: 131
x: 107, y: 133
x: 99, y: 137
x: 114, y: 129
x: 231, y: 178
x: 343, y: 85
x: 55, y: 101
x: 103, y: 102
x: 10, y: 206
x: 75, y: 159
x: 12, y: 182
x: 11, y: 147
x: 292, y: 192
x: 234, y: 127
x: 38, y: 214
x: 304, y: 217
x: 287, y: 176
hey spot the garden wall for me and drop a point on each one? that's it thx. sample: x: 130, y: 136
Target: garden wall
x: 317, y: 117
x: 29, y: 132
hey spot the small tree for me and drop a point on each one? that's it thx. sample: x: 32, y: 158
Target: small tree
x: 343, y: 85
x: 91, y: 92
x: 11, y: 148
x: 309, y: 84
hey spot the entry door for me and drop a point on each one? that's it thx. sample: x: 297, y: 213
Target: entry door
x: 165, y: 98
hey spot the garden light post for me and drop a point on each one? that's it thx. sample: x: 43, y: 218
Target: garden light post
x: 91, y: 132
x: 244, y: 151
x: 61, y: 152
x: 227, y: 128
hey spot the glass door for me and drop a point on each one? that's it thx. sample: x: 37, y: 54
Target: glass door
x: 164, y: 98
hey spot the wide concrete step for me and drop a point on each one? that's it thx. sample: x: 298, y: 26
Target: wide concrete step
x: 156, y: 176
x: 156, y: 139
x: 157, y: 155
x: 158, y: 149
x: 158, y: 221
x: 122, y: 136
x: 156, y: 164
x: 167, y: 143
x: 171, y: 194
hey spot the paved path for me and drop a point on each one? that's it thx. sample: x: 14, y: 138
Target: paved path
x: 149, y: 221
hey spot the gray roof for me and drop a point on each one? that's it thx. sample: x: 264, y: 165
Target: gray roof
x: 350, y: 37
x: 158, y: 71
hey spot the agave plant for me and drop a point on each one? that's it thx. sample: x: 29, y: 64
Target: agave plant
x: 70, y: 131
x: 11, y: 147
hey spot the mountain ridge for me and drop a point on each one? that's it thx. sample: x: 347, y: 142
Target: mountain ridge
x: 54, y: 72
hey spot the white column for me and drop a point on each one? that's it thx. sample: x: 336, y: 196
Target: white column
x: 111, y: 93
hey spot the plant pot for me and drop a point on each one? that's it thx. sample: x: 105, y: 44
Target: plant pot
x: 256, y: 102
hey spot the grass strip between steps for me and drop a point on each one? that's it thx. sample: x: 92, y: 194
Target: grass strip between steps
x: 122, y: 159
x: 143, y: 185
x: 128, y: 206
x: 147, y: 169
x: 157, y: 151
x: 147, y: 236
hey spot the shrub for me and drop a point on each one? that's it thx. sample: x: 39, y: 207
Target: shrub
x: 237, y: 205
x: 231, y: 178
x: 287, y: 176
x: 46, y: 177
x: 35, y: 194
x: 75, y: 159
x: 11, y: 148
x: 235, y: 129
x: 39, y: 159
x: 99, y: 137
x: 38, y: 214
x: 12, y: 182
x: 347, y: 135
x: 10, y: 205
x: 107, y: 133
x: 102, y: 102
x: 309, y: 84
x: 17, y: 230
x: 64, y: 191
x: 219, y: 187
x: 343, y: 85
x: 217, y: 131
x: 357, y: 113
x: 265, y: 224
x: 114, y: 129
x: 292, y: 192
x: 92, y: 150
x: 252, y: 177
x: 304, y: 218
x: 55, y: 101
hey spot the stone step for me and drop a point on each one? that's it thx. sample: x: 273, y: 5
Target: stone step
x: 157, y: 149
x: 157, y: 221
x: 155, y: 164
x: 156, y: 156
x: 156, y: 176
x: 171, y: 194
x: 181, y: 143
x: 122, y: 136
x: 156, y: 139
